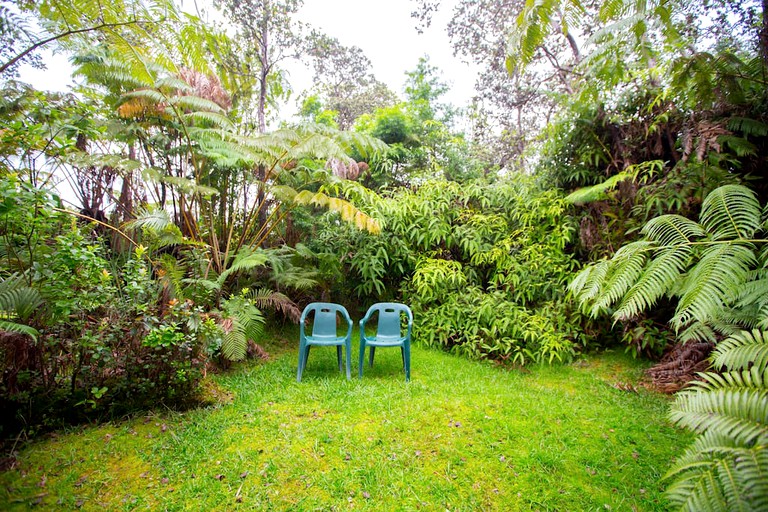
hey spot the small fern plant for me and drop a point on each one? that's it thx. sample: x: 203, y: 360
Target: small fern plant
x: 18, y: 303
x: 243, y: 321
x: 716, y: 268
x: 726, y: 468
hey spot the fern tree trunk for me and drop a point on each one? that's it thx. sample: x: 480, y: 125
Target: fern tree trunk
x: 763, y: 36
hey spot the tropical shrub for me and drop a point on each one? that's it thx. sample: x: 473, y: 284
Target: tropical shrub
x: 482, y: 265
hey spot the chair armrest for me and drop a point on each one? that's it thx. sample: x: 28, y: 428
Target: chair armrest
x: 302, y: 322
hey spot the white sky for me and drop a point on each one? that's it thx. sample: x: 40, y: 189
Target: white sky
x: 384, y: 30
x: 386, y: 33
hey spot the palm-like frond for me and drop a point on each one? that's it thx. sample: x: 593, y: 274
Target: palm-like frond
x: 731, y: 212
x: 742, y: 351
x: 726, y: 468
x: 269, y: 299
x: 712, y: 283
x: 657, y: 280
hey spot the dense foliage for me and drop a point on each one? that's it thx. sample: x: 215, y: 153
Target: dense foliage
x: 483, y: 265
x: 152, y: 221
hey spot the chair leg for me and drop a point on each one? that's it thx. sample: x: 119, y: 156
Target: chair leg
x: 370, y: 358
x: 402, y: 355
x: 338, y: 356
x: 303, y: 356
x: 348, y: 346
x: 301, y: 361
x: 407, y: 362
x: 306, y: 356
x: 362, y: 357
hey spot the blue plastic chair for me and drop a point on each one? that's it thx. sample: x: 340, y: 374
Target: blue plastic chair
x: 324, y: 333
x: 388, y: 333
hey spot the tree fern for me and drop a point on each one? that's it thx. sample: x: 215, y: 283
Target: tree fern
x: 243, y: 322
x: 269, y: 299
x: 18, y: 303
x: 726, y: 468
x: 711, y: 267
x: 712, y: 283
x: 731, y: 212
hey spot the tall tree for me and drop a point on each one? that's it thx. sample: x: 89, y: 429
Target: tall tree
x: 269, y: 36
x: 509, y: 109
x: 344, y: 79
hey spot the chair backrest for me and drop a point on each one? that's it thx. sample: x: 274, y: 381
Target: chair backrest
x: 389, y: 322
x: 389, y: 325
x: 324, y: 322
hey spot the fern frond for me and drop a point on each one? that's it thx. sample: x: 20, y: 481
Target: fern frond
x: 716, y: 473
x: 697, y: 331
x: 726, y: 406
x: 243, y: 322
x: 157, y: 220
x: 195, y: 103
x: 712, y: 283
x: 672, y: 230
x: 731, y: 212
x: 170, y: 275
x: 298, y: 278
x: 6, y: 325
x: 245, y: 259
x: 18, y: 301
x: 234, y: 343
x: 587, y: 283
x: 597, y: 192
x: 626, y: 267
x: 269, y: 299
x: 657, y: 280
x: 748, y: 126
x: 742, y: 351
x: 349, y: 213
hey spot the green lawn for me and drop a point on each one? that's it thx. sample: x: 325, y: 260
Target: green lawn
x: 460, y: 436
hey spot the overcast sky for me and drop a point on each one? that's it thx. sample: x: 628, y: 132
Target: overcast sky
x: 384, y: 30
x: 387, y: 34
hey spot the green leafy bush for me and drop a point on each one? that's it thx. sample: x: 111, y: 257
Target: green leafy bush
x: 483, y: 266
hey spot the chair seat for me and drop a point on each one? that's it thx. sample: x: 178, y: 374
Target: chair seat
x: 385, y: 341
x: 325, y: 340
